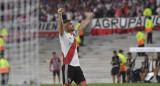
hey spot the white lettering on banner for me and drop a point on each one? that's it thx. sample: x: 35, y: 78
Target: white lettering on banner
x: 144, y: 49
x: 124, y: 23
x: 48, y: 26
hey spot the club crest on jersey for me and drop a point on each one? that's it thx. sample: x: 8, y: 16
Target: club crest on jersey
x: 69, y: 79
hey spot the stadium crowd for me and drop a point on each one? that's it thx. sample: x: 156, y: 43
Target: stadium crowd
x: 74, y: 9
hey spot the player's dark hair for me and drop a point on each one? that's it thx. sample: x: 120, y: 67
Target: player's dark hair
x: 120, y: 51
x: 146, y: 55
x: 129, y: 53
x: 53, y: 52
x: 66, y: 21
x: 114, y: 51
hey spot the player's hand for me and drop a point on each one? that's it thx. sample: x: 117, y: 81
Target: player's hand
x: 50, y: 70
x: 90, y: 14
x: 60, y: 10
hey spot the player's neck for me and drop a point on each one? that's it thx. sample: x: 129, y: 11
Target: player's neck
x: 69, y: 31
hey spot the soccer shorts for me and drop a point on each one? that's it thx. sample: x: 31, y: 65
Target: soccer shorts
x: 72, y: 73
x: 115, y: 71
x: 57, y: 72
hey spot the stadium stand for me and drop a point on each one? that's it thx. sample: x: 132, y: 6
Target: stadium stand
x: 96, y: 55
x: 101, y: 8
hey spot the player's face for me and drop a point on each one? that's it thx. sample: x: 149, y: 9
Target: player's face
x: 145, y: 57
x: 54, y: 55
x: 129, y: 56
x: 70, y: 26
x: 115, y: 54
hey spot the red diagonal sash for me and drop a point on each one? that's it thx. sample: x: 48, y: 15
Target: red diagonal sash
x: 70, y: 54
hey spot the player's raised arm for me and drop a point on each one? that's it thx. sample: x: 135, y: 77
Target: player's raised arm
x: 85, y: 22
x: 60, y: 21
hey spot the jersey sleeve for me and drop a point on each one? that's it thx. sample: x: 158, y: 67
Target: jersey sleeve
x: 59, y: 60
x: 64, y: 36
x: 51, y: 61
x: 112, y: 59
x: 119, y: 58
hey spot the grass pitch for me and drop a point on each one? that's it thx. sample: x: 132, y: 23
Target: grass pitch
x: 130, y: 84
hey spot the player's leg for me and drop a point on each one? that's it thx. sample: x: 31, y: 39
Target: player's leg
x: 117, y: 73
x: 58, y: 74
x: 150, y: 38
x: 6, y: 76
x: 120, y: 76
x: 79, y: 78
x: 155, y: 74
x: 147, y: 38
x: 128, y: 72
x: 124, y: 76
x: 156, y: 71
x: 113, y: 78
x: 67, y: 74
x: 83, y: 84
x: 113, y: 74
x: 144, y: 74
x: 141, y: 73
x: 2, y: 78
x: 54, y: 80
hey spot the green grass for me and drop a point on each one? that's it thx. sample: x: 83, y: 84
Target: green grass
x: 133, y: 84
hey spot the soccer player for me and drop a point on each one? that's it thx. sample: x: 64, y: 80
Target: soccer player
x: 129, y: 65
x: 55, y: 63
x: 145, y: 67
x: 71, y: 70
x: 116, y: 64
x: 157, y: 69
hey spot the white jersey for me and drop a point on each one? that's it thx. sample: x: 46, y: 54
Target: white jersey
x: 67, y: 42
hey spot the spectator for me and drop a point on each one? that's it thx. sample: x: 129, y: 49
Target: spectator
x: 118, y: 11
x: 111, y: 12
x: 122, y: 65
x: 125, y: 9
x: 157, y: 65
x: 101, y: 8
x: 147, y: 11
x: 149, y: 25
x: 4, y: 70
x: 140, y: 41
x: 116, y: 64
x: 54, y: 66
x: 50, y: 16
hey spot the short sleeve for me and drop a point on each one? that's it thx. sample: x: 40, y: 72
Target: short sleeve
x: 112, y: 59
x: 59, y: 60
x: 132, y: 60
x: 119, y: 58
x: 51, y: 61
x: 64, y: 36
